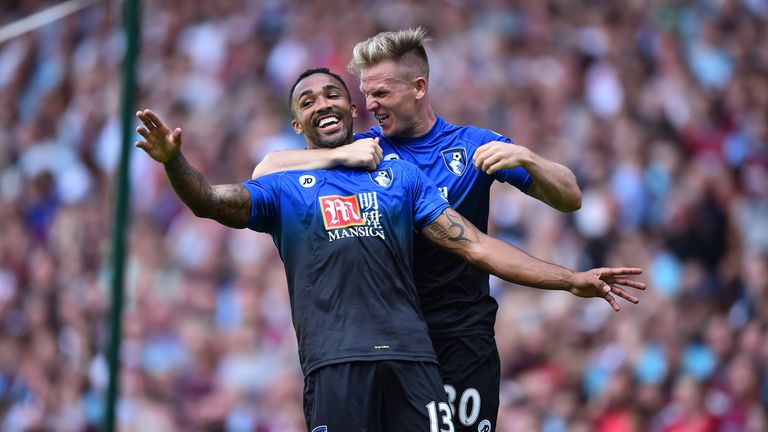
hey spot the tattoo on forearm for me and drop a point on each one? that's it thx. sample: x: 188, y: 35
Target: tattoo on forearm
x: 453, y: 231
x: 228, y: 204
x: 231, y: 202
x: 457, y: 227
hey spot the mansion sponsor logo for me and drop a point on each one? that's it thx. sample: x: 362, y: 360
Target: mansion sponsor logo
x: 351, y: 216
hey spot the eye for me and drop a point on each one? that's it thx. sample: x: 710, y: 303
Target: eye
x: 306, y: 102
x: 334, y: 96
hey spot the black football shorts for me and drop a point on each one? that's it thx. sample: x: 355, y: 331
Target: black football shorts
x: 376, y: 396
x: 470, y: 368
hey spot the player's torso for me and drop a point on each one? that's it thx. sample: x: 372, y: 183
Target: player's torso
x: 454, y: 295
x: 345, y: 237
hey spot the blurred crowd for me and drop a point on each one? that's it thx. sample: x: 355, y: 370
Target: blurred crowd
x: 659, y: 107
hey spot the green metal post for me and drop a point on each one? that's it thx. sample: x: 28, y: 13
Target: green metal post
x: 121, y: 209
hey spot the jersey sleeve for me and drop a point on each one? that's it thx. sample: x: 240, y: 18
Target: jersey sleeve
x: 264, y: 202
x: 517, y: 177
x: 370, y: 133
x: 428, y: 204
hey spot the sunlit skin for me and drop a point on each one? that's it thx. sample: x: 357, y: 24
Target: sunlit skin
x: 320, y: 98
x: 399, y: 103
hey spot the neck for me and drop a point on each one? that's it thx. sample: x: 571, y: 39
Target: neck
x: 314, y: 146
x: 425, y: 120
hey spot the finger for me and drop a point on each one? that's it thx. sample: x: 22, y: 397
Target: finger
x: 482, y: 152
x: 379, y: 151
x: 478, y: 160
x: 177, y: 136
x: 143, y: 132
x: 145, y: 120
x: 495, y: 167
x: 612, y: 301
x: 376, y: 140
x: 490, y: 161
x: 155, y: 119
x: 142, y: 145
x: 625, y: 295
x: 629, y: 283
x: 620, y: 271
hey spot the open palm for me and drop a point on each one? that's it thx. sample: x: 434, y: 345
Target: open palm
x: 159, y: 142
x: 606, y: 282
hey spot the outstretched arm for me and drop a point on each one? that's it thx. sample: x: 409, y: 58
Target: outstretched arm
x: 553, y: 183
x: 455, y: 234
x: 229, y: 204
x: 363, y: 153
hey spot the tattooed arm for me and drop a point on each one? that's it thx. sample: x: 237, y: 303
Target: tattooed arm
x: 452, y: 232
x: 229, y: 205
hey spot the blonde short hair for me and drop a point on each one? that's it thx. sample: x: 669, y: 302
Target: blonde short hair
x: 405, y: 47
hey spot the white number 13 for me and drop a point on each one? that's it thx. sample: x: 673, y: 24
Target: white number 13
x: 445, y: 410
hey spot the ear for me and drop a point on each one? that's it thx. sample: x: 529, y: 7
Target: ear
x: 420, y: 86
x: 354, y: 111
x: 297, y: 127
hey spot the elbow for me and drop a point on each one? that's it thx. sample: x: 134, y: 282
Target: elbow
x: 202, y: 212
x: 572, y: 203
x: 474, y: 253
x: 260, y: 169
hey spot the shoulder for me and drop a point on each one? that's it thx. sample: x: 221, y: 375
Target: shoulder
x: 287, y: 181
x: 399, y: 165
x: 370, y: 133
x: 269, y: 179
x: 479, y: 136
x: 472, y: 136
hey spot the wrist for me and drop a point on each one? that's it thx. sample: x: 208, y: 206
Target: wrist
x: 529, y: 160
x: 336, y: 156
x: 174, y: 160
x: 572, y: 279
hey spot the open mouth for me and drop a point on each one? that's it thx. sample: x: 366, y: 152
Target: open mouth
x: 381, y: 118
x: 330, y: 123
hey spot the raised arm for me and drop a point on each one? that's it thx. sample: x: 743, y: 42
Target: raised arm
x: 455, y: 234
x: 227, y: 204
x: 363, y: 153
x: 553, y: 183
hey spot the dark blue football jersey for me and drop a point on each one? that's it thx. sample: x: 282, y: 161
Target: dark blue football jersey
x: 346, y: 239
x: 455, y: 295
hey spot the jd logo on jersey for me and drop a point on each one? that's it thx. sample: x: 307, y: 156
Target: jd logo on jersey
x: 307, y: 181
x: 455, y: 160
x: 382, y: 177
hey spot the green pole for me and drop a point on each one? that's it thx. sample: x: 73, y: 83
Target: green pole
x: 122, y: 187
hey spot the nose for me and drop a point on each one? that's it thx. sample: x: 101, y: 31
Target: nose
x: 371, y: 103
x: 322, y: 103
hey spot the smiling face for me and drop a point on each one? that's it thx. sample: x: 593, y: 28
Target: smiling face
x: 392, y: 98
x: 322, y: 111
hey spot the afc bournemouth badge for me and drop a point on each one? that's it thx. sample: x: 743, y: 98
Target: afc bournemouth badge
x: 455, y: 160
x: 382, y: 177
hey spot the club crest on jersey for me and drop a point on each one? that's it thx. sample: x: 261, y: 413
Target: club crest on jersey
x: 322, y: 428
x: 382, y: 177
x: 351, y: 216
x: 391, y: 156
x: 455, y: 160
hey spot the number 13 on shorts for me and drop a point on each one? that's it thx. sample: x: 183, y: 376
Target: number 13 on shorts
x: 445, y: 417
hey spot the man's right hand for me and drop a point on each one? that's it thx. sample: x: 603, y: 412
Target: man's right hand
x: 363, y: 153
x: 161, y: 144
